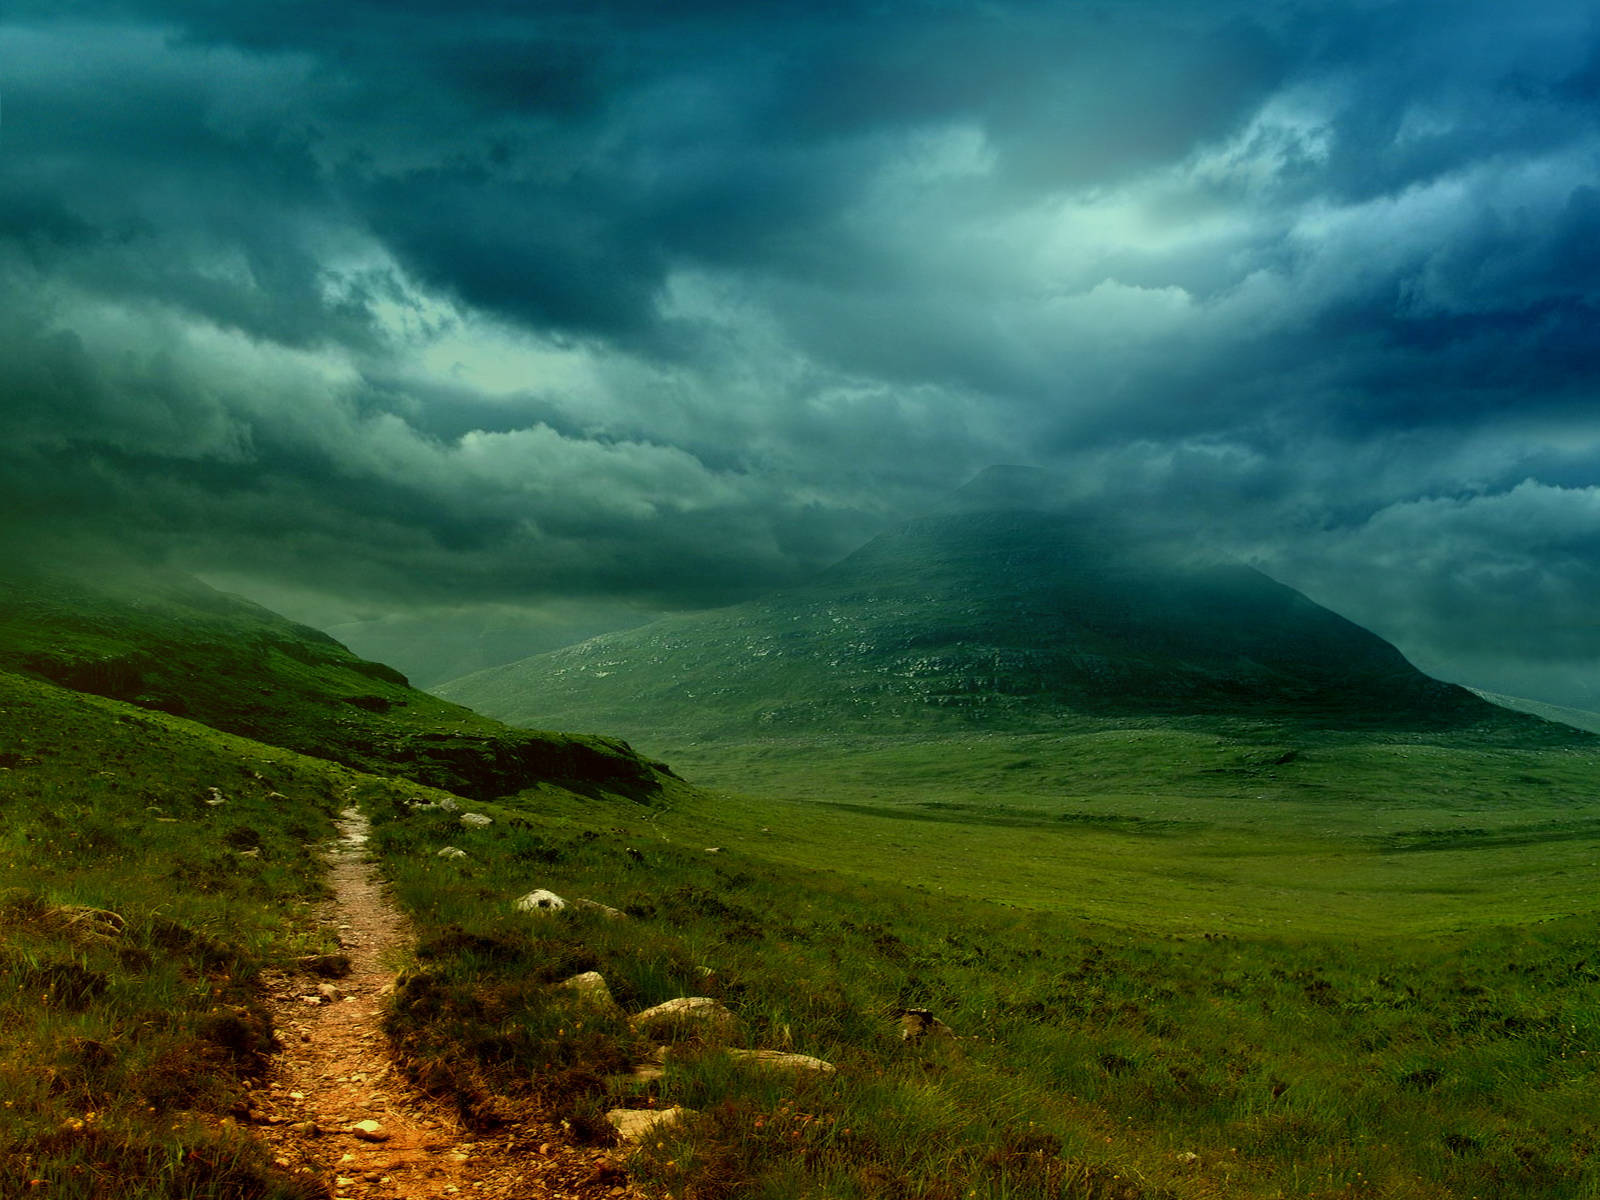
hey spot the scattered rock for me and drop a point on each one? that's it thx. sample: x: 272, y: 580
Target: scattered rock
x: 306, y: 1129
x: 540, y: 900
x: 918, y: 1023
x: 370, y: 1131
x: 687, y: 1016
x: 616, y: 914
x: 779, y: 1060
x: 592, y: 990
x: 215, y: 797
x: 1188, y: 1158
x: 445, y: 805
x: 633, y: 1124
x: 329, y: 993
x: 329, y: 966
x: 713, y: 849
x: 476, y: 820
x: 452, y: 852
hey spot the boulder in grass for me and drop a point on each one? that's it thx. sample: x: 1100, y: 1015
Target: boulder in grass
x: 635, y: 1124
x: 476, y: 820
x: 591, y: 989
x: 540, y: 900
x: 685, y: 1017
x: 616, y: 914
x: 919, y: 1023
x: 778, y: 1060
x: 452, y: 852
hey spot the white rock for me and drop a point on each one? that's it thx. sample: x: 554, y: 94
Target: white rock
x: 476, y: 820
x: 778, y: 1060
x: 592, y: 990
x: 540, y: 900
x: 689, y: 1015
x: 452, y: 852
x: 632, y: 1124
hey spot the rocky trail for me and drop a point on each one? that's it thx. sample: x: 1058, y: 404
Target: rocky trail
x: 335, y: 1106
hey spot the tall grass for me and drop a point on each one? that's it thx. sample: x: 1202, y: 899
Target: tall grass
x: 135, y: 917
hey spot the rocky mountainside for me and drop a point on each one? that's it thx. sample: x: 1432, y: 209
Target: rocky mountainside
x: 1010, y: 619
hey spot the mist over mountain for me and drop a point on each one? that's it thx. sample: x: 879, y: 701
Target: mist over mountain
x: 983, y: 616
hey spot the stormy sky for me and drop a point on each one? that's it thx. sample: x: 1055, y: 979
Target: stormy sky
x: 538, y: 317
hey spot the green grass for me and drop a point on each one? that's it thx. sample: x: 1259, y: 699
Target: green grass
x: 126, y: 1039
x: 1260, y: 830
x: 1095, y: 1056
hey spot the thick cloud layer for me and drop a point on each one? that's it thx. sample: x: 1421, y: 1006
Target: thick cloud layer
x: 443, y: 312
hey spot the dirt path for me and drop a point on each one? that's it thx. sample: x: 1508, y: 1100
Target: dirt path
x: 336, y: 1072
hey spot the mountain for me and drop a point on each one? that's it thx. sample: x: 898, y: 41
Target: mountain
x: 1011, y: 619
x: 167, y: 642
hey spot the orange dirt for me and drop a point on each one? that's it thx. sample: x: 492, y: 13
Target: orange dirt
x: 336, y: 1070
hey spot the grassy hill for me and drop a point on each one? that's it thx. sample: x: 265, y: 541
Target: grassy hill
x: 167, y: 642
x: 1017, y: 621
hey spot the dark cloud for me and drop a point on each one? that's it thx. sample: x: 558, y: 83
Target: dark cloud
x: 428, y: 306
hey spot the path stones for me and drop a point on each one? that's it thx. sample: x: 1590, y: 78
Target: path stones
x: 539, y: 900
x: 370, y: 1131
x: 687, y: 1016
x: 634, y: 1124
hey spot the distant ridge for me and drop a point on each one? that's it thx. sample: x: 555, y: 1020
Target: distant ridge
x: 985, y: 617
x: 1578, y: 718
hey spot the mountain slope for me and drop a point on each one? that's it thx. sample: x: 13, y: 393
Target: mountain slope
x: 1000, y: 620
x: 1578, y: 718
x: 168, y: 642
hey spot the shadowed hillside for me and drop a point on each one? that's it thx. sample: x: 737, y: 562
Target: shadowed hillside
x: 168, y: 642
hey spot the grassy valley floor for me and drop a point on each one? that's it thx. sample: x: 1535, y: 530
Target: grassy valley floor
x: 1212, y: 968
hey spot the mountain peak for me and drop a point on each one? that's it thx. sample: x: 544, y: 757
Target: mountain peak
x: 1016, y: 618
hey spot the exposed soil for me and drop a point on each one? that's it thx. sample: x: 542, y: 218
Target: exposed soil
x: 336, y: 1070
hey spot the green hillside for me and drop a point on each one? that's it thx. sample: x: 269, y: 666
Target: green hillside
x: 1019, y: 621
x: 167, y: 642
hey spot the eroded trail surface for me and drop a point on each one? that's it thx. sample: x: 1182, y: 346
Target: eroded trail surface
x: 336, y: 1075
